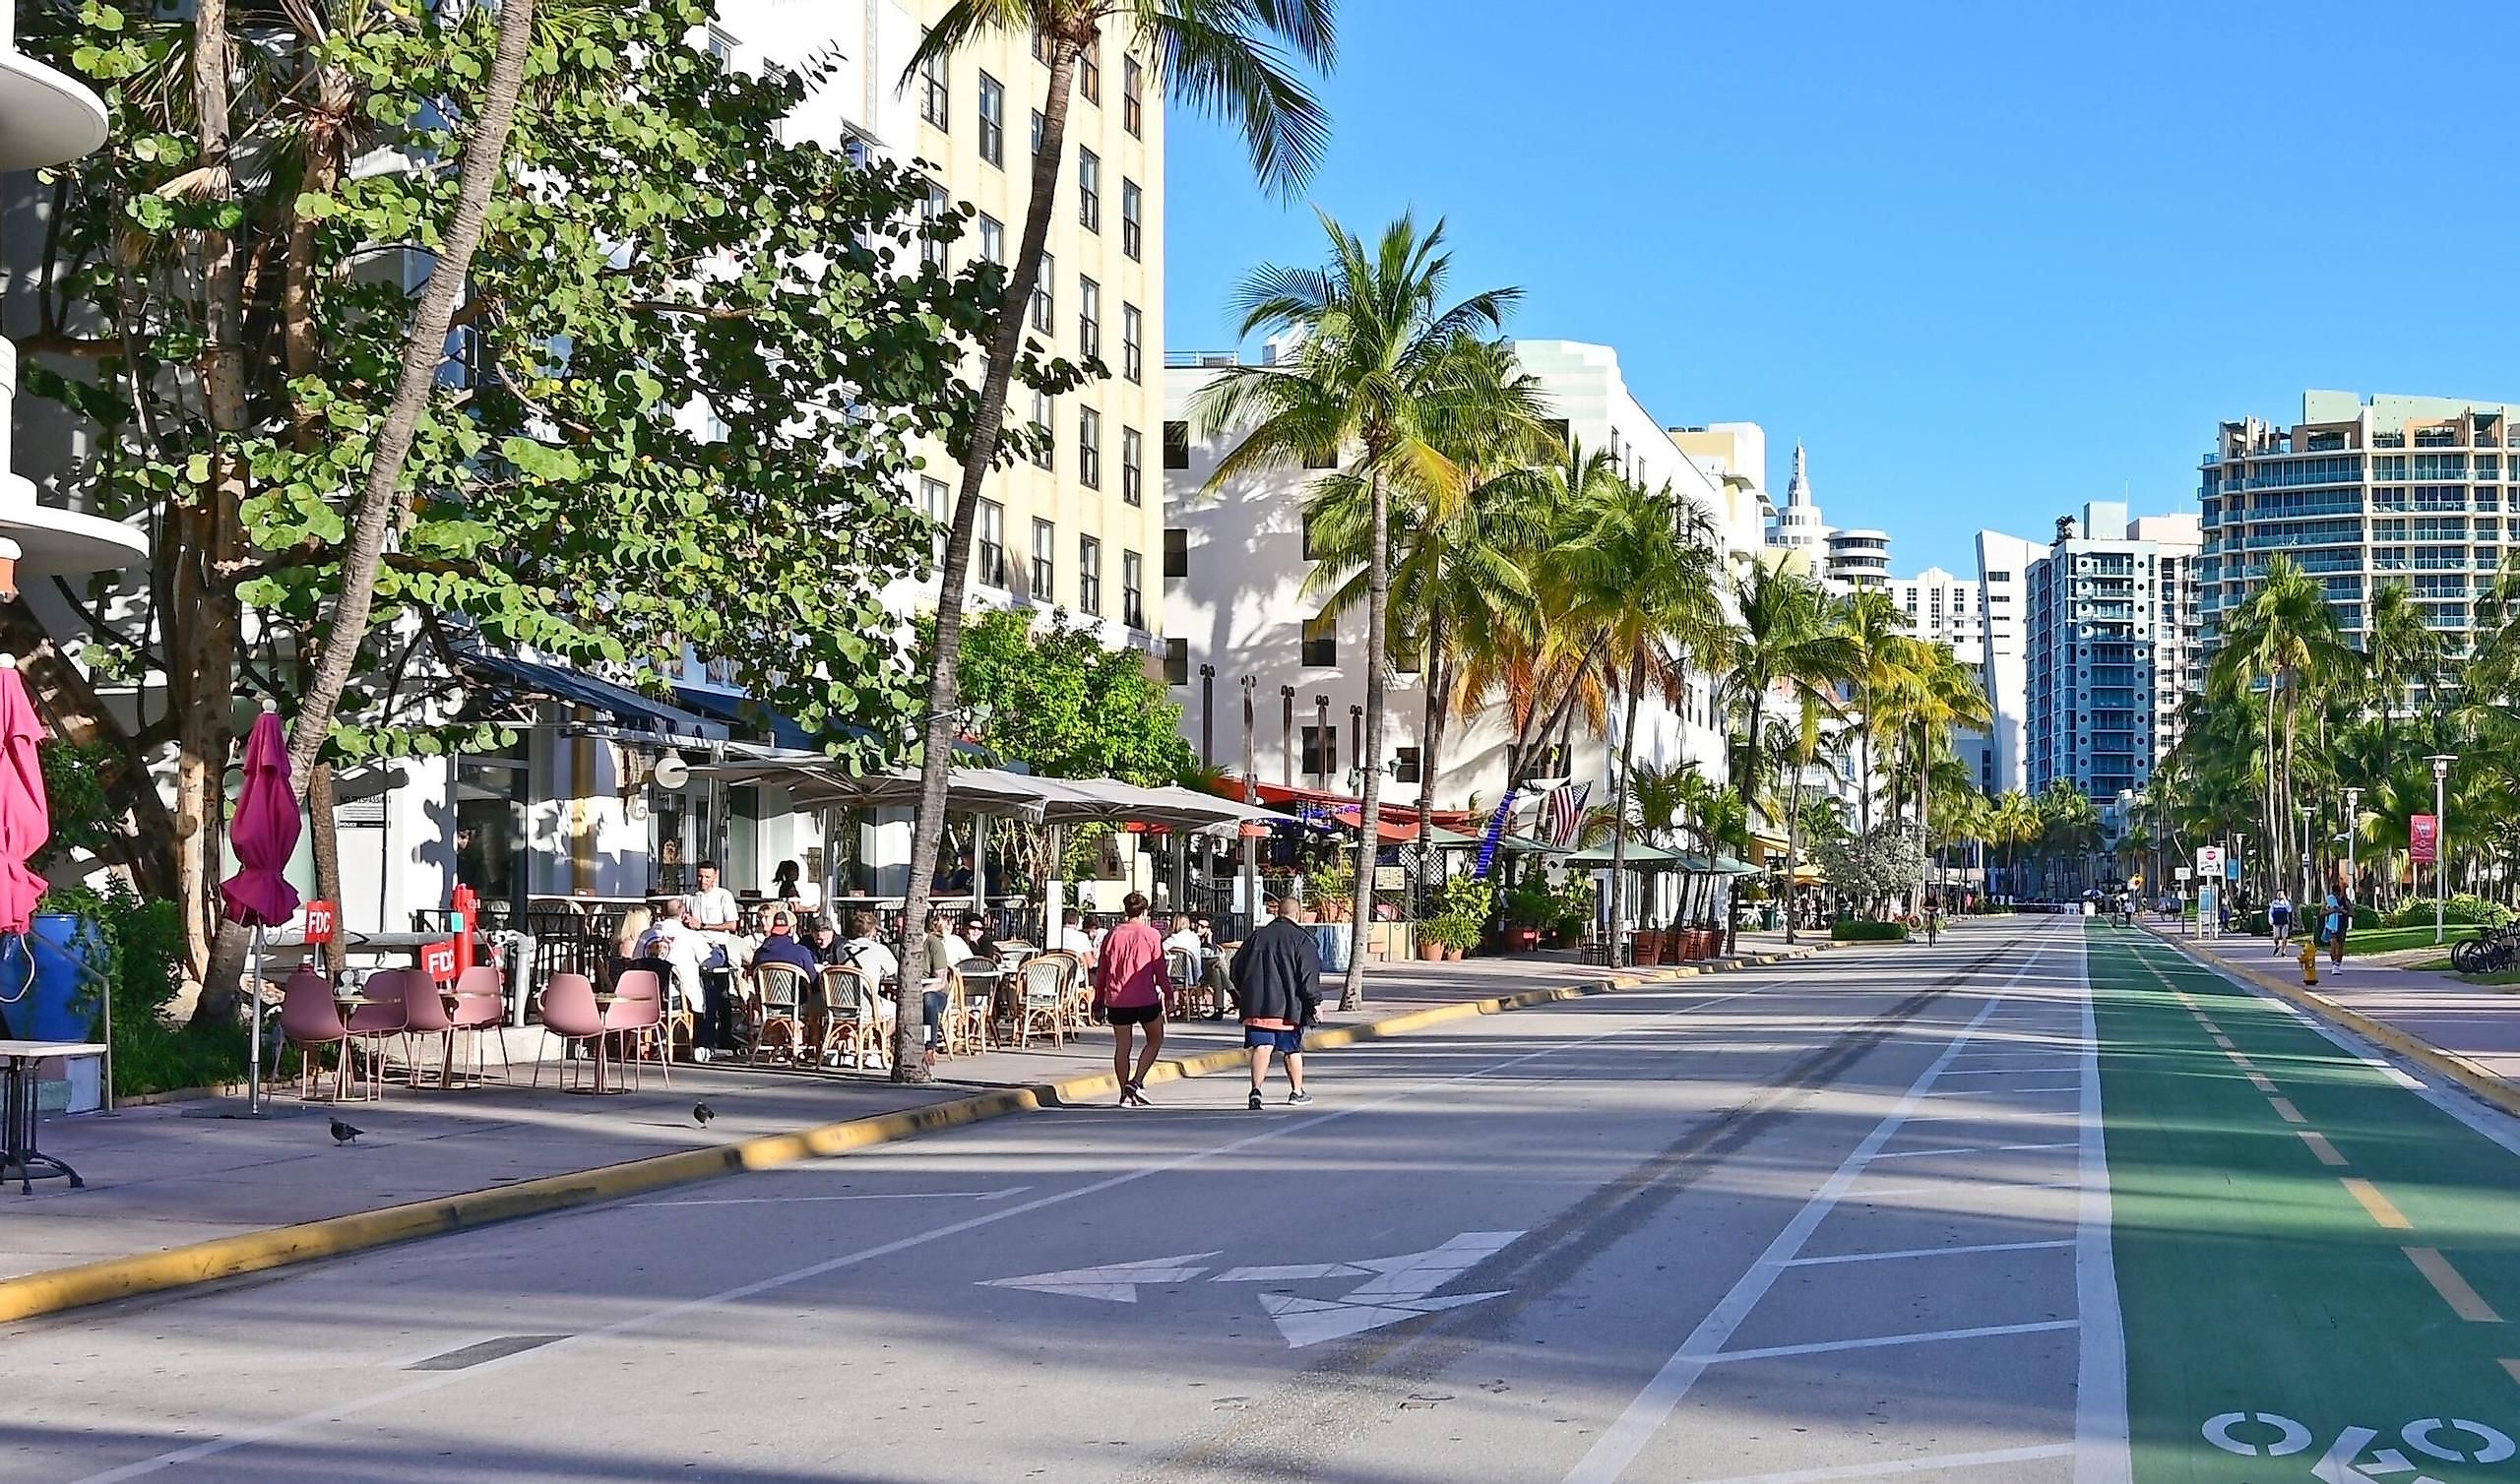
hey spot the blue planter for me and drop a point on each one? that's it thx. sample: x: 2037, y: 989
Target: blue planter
x: 1333, y: 940
x: 47, y: 994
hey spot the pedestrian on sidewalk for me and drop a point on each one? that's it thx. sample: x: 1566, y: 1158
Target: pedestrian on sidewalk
x: 1277, y: 988
x: 1128, y: 991
x: 2339, y: 918
x: 2279, y: 919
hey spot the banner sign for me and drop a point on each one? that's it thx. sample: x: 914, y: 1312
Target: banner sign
x: 322, y: 922
x: 2423, y: 839
x: 437, y: 961
x: 1492, y: 837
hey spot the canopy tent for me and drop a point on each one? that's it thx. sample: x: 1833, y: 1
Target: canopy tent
x: 1640, y: 857
x: 1524, y: 844
x: 1405, y: 832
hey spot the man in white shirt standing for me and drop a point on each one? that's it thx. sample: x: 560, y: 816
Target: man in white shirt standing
x: 1073, y: 939
x: 713, y: 908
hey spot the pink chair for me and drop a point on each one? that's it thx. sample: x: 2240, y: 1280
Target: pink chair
x: 310, y: 1019
x: 570, y: 1012
x: 481, y: 1008
x: 637, y: 1015
x: 424, y: 1014
x: 378, y: 1018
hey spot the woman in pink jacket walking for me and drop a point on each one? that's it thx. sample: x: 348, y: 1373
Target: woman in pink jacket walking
x: 1128, y: 990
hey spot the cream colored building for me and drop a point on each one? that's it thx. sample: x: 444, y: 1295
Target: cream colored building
x: 1086, y: 532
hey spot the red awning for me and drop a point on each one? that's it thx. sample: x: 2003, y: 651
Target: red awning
x: 1393, y: 831
x: 1289, y: 798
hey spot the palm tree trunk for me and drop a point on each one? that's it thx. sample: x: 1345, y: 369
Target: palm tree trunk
x: 1005, y: 345
x: 1430, y: 753
x: 1352, y: 994
x: 1793, y: 841
x: 1619, y: 807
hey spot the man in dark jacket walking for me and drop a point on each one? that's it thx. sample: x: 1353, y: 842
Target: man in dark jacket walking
x: 1277, y: 988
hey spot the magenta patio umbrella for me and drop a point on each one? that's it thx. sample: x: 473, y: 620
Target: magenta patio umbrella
x: 25, y: 819
x: 264, y: 831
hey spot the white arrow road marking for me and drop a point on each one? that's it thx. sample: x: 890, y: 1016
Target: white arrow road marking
x: 1309, y: 1322
x: 1112, y: 1282
x: 1399, y: 1289
x: 1291, y: 1273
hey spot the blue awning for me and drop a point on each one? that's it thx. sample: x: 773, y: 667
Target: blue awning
x: 742, y: 711
x: 624, y: 706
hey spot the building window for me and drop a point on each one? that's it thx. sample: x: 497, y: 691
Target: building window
x: 1041, y: 47
x: 1045, y: 454
x: 936, y: 502
x: 1089, y: 190
x: 932, y: 217
x: 722, y: 46
x: 1177, y: 661
x: 1045, y: 544
x: 1132, y: 343
x: 1321, y: 641
x: 1089, y: 72
x: 1088, y: 318
x: 1045, y: 302
x: 1089, y: 448
x: 1088, y: 576
x: 935, y: 101
x: 1132, y: 589
x: 990, y: 545
x: 1041, y: 126
x: 992, y: 240
x: 1177, y: 552
x: 1132, y: 97
x: 993, y: 120
x: 1176, y: 445
x: 1321, y: 751
x: 1132, y: 467
x: 1132, y: 228
x: 1406, y: 768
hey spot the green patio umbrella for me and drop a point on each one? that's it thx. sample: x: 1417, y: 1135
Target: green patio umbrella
x: 1640, y: 857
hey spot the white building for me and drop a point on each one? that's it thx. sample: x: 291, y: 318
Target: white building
x: 1799, y: 531
x: 1248, y: 631
x: 1857, y: 558
x: 2003, y: 576
x: 1734, y: 457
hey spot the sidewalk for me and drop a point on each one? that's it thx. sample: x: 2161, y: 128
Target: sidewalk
x: 164, y: 1176
x: 2470, y: 1032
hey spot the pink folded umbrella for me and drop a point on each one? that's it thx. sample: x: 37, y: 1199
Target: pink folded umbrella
x: 264, y: 831
x: 25, y: 820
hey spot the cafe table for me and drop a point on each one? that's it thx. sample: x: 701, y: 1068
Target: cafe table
x: 18, y: 1114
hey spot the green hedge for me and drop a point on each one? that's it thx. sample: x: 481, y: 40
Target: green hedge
x: 2417, y: 911
x: 1868, y: 932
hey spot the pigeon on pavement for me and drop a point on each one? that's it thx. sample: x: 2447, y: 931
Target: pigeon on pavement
x: 701, y: 1113
x: 344, y: 1133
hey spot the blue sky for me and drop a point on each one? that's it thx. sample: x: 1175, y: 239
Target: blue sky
x: 1989, y: 260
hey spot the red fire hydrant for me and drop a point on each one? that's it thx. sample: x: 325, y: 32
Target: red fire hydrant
x: 466, y: 906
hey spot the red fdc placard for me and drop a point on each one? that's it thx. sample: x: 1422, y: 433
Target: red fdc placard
x: 2423, y: 839
x: 322, y: 922
x: 437, y: 961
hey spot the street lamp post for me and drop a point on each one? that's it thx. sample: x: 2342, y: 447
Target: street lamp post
x: 2440, y: 761
x: 2352, y: 816
x: 1250, y: 905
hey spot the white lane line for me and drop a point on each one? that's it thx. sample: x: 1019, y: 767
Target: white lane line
x: 1982, y: 1148
x: 2001, y: 1091
x: 1906, y: 1466
x: 210, y: 1447
x: 2051, y: 1065
x: 2101, y: 1455
x: 1929, y: 1252
x: 1954, y: 1185
x: 1618, y: 1446
x: 1886, y: 1342
x: 797, y: 1199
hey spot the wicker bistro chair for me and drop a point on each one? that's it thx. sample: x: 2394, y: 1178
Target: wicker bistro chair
x: 965, y: 1027
x: 1044, y: 997
x: 1186, y: 982
x: 779, y: 995
x: 849, y: 1018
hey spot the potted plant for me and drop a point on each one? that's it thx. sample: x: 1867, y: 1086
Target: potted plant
x: 1530, y: 908
x: 1458, y: 933
x: 1431, y: 941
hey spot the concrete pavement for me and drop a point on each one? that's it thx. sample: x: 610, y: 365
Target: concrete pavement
x: 2015, y: 1208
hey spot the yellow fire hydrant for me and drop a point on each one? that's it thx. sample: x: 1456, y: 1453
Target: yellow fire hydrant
x: 2310, y: 960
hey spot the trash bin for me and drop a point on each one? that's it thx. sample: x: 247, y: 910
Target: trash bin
x: 1333, y: 940
x: 1769, y: 918
x: 50, y: 992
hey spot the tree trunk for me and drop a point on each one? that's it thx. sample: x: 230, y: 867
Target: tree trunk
x: 1618, y: 809
x: 1431, y: 734
x: 324, y: 834
x: 200, y: 681
x: 1352, y: 994
x: 1006, y: 345
x: 1793, y: 841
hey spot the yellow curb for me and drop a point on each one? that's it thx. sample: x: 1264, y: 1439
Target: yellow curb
x: 102, y: 1281
x: 2471, y: 1074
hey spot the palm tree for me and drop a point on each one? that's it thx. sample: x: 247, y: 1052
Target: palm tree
x: 1945, y: 694
x: 2284, y: 635
x: 1787, y: 648
x: 1460, y: 560
x: 1878, y: 632
x: 2399, y: 649
x: 1640, y: 570
x: 1225, y: 57
x: 1381, y: 365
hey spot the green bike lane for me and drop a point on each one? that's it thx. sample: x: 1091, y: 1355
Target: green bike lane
x: 2314, y: 1263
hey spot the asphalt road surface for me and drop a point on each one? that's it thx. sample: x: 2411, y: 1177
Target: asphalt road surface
x: 2042, y: 1203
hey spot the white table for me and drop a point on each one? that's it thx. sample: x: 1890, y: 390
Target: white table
x: 18, y: 1152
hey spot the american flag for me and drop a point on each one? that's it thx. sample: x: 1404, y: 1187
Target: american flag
x: 1561, y: 812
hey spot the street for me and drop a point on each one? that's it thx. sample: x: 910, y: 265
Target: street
x: 2044, y: 1202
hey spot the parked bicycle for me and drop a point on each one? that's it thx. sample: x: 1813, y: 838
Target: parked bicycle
x: 2491, y: 952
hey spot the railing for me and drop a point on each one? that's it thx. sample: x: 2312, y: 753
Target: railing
x: 1194, y: 360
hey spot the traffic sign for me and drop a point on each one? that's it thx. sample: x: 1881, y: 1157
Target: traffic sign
x: 2209, y: 860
